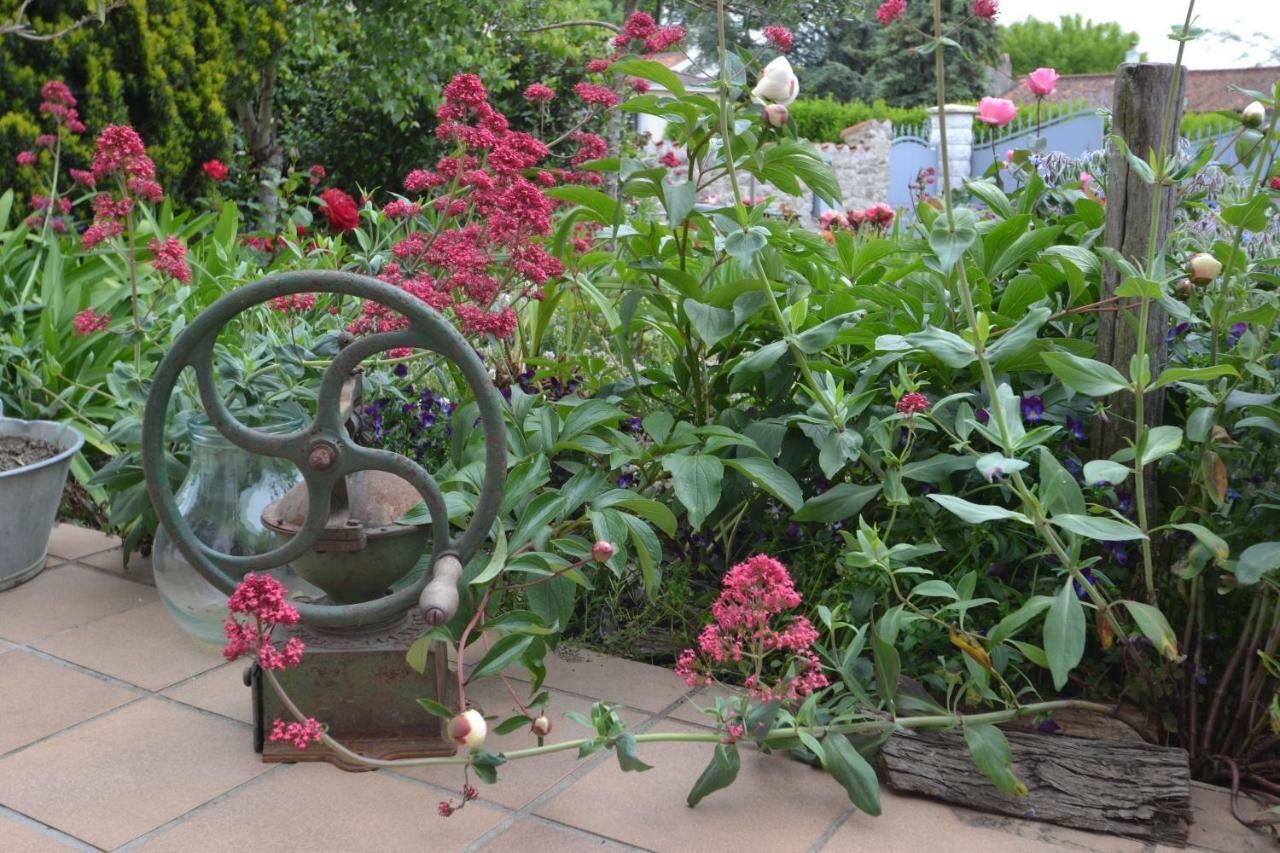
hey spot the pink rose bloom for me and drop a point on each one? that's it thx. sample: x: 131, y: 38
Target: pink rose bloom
x: 1042, y: 81
x: 996, y: 112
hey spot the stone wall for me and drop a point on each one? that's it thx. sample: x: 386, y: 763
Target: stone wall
x: 860, y: 164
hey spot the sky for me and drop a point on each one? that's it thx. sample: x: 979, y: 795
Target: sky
x: 1255, y: 22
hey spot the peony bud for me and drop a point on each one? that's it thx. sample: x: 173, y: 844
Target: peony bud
x: 778, y: 83
x: 1204, y: 267
x: 601, y: 551
x: 776, y: 115
x: 467, y: 729
x: 541, y: 726
x: 1253, y: 115
x: 1184, y: 289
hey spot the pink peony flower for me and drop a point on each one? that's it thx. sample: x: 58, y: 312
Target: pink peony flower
x: 340, y: 209
x: 602, y: 551
x: 986, y: 9
x: 1042, y: 82
x: 890, y: 11
x: 996, y: 112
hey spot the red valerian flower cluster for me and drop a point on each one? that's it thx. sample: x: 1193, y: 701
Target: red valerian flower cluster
x: 754, y: 634
x: 987, y: 9
x: 340, y: 209
x: 293, y: 302
x: 913, y: 402
x: 779, y: 38
x: 890, y: 11
x: 119, y: 155
x: 595, y: 94
x: 641, y: 34
x: 485, y: 249
x: 877, y: 216
x: 298, y: 734
x: 539, y: 93
x: 89, y: 321
x: 170, y: 258
x: 216, y: 170
x: 261, y: 597
x: 60, y: 105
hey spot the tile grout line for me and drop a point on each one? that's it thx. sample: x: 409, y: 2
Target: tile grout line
x: 123, y: 574
x: 45, y: 829
x: 570, y: 779
x: 825, y: 838
x: 177, y: 821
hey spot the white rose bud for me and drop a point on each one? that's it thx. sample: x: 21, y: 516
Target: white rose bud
x: 778, y: 83
x: 467, y: 729
x: 1253, y: 115
x: 776, y: 115
x: 1204, y: 267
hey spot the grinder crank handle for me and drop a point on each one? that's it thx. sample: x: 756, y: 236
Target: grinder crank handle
x: 439, y: 599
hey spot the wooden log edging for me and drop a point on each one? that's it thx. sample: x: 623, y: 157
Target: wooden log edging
x: 1128, y: 788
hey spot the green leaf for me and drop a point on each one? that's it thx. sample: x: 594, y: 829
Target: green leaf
x: 854, y: 774
x: 1105, y: 471
x: 655, y: 72
x: 976, y: 513
x: 1010, y: 625
x: 719, y: 774
x: 541, y: 511
x: 837, y: 503
x: 501, y: 654
x: 1084, y: 374
x: 839, y: 447
x: 762, y: 359
x: 1136, y: 287
x: 509, y: 725
x: 1256, y: 560
x: 436, y: 709
x: 1101, y: 529
x: 625, y: 747
x: 992, y: 196
x: 769, y: 477
x: 1193, y: 374
x: 886, y: 664
x: 948, y: 347
x: 950, y: 245
x: 697, y: 480
x: 991, y: 465
x: 742, y: 246
x: 1064, y: 633
x: 418, y: 653
x: 1154, y: 627
x: 1251, y: 214
x: 1159, y: 442
x: 655, y: 512
x: 496, y: 563
x: 679, y: 200
x: 1206, y: 537
x: 712, y: 324
x: 604, y: 207
x: 658, y: 425
x: 992, y: 755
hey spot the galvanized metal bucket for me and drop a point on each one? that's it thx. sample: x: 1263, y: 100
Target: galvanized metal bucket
x: 29, y: 499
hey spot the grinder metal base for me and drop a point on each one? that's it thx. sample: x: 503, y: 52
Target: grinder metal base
x: 361, y: 688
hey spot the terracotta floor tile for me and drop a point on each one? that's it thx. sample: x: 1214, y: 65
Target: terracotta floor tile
x: 687, y: 711
x: 142, y: 646
x: 62, y: 598
x: 315, y: 807
x: 531, y: 833
x: 124, y: 774
x: 111, y: 561
x: 523, y: 780
x: 1214, y: 828
x: 71, y: 542
x: 776, y: 804
x: 220, y: 690
x: 636, y: 685
x: 17, y: 837
x: 39, y: 698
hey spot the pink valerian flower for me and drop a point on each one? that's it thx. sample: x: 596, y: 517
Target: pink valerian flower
x: 478, y: 321
x: 779, y: 38
x: 61, y: 104
x: 539, y: 93
x: 120, y: 151
x: 598, y: 66
x: 299, y: 734
x: 256, y: 607
x: 890, y: 11
x: 293, y: 303
x: 670, y: 160
x: 638, y: 85
x: 146, y: 188
x: 89, y: 321
x: 316, y: 174
x: 46, y: 140
x: 401, y: 209
x: 913, y: 402
x: 751, y: 622
x: 215, y: 169
x: 26, y: 158
x: 170, y: 258
x: 83, y: 177
x: 986, y: 9
x: 590, y: 147
x: 594, y: 93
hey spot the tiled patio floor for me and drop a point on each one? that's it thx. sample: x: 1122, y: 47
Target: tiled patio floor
x: 118, y: 732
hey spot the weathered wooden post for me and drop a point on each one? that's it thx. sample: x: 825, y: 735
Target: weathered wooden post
x: 1137, y: 117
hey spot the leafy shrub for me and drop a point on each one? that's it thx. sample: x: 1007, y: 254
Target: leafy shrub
x: 822, y: 119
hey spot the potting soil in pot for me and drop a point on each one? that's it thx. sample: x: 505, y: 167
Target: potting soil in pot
x: 19, y: 452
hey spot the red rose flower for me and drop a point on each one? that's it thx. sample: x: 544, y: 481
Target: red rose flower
x: 340, y: 209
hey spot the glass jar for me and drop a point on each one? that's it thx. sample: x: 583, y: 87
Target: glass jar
x: 222, y: 499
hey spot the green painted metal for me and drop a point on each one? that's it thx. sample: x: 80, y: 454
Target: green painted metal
x: 323, y: 451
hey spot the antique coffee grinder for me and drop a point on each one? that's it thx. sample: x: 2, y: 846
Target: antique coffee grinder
x: 340, y: 528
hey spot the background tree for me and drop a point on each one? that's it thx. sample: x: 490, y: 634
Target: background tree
x: 1071, y: 46
x: 905, y: 77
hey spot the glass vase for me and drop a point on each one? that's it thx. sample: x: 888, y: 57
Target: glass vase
x: 222, y: 499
